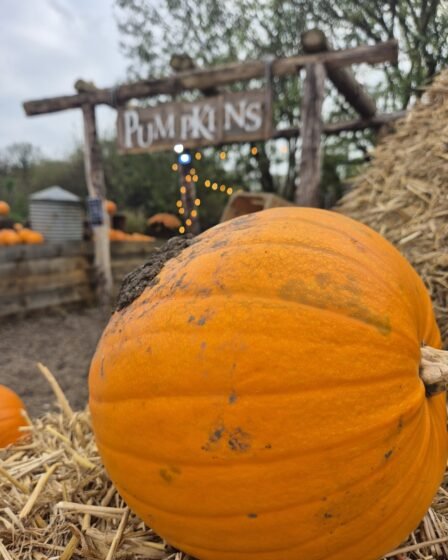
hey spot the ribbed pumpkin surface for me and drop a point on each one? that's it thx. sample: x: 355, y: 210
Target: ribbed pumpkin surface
x: 11, y: 418
x: 262, y: 400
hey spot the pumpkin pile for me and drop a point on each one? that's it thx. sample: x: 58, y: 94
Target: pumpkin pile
x: 261, y: 391
x: 58, y: 502
x: 403, y: 193
x: 118, y: 235
x: 20, y: 235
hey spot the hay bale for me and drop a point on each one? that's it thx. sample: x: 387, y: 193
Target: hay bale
x: 403, y: 194
x: 57, y: 502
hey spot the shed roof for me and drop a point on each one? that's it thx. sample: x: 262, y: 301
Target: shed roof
x: 55, y: 193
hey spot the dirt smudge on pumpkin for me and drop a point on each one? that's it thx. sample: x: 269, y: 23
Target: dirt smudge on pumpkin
x: 102, y: 367
x: 343, y: 298
x: 214, y: 437
x: 147, y: 275
x: 252, y: 515
x: 169, y: 473
x: 202, y: 319
x: 328, y: 515
x: 239, y: 441
x: 233, y: 397
x: 388, y: 454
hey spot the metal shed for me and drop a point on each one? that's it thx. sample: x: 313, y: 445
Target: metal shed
x: 58, y: 214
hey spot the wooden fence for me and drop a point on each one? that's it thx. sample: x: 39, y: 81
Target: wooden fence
x: 40, y: 276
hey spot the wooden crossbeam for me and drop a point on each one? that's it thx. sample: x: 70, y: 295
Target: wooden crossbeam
x: 314, y: 41
x: 214, y: 77
x: 377, y: 121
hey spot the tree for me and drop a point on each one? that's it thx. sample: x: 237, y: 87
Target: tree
x: 214, y: 32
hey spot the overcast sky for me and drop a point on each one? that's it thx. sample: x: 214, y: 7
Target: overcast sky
x: 45, y: 45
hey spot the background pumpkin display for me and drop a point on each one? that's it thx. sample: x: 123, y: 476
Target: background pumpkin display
x: 4, y: 208
x: 11, y: 417
x: 258, y: 394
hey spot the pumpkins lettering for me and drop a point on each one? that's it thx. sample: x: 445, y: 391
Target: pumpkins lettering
x: 257, y: 395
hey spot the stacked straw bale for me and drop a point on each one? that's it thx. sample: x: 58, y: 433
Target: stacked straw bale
x: 403, y: 194
x: 56, y: 502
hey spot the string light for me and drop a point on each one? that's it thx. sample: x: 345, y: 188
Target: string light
x: 194, y: 213
x: 229, y: 191
x: 222, y: 155
x: 215, y: 186
x: 222, y: 188
x: 181, y: 229
x: 192, y: 171
x: 179, y: 203
x: 195, y: 178
x: 188, y: 178
x: 181, y: 211
x: 198, y: 155
x: 174, y: 167
x: 183, y: 189
x: 254, y: 151
x: 197, y: 202
x: 188, y: 222
x: 207, y: 183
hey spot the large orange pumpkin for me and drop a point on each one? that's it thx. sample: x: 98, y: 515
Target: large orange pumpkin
x: 257, y: 396
x: 4, y: 208
x: 11, y: 416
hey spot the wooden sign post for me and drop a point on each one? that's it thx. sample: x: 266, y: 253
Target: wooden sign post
x: 307, y: 191
x: 97, y: 189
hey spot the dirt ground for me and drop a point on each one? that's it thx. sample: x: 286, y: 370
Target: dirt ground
x: 63, y: 340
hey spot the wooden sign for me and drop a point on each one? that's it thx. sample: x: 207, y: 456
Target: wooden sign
x: 226, y: 118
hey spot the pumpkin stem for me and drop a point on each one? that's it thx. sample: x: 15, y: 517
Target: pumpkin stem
x: 434, y: 370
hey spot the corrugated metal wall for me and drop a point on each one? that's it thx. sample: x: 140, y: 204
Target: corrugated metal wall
x: 57, y: 221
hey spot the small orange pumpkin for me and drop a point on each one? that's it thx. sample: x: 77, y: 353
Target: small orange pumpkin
x: 11, y: 416
x: 117, y: 235
x: 111, y: 207
x: 9, y: 237
x: 4, y: 208
x: 30, y: 236
x: 258, y: 394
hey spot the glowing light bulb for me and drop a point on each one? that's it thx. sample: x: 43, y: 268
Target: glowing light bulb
x: 194, y: 213
x: 229, y: 191
x: 197, y: 202
x: 181, y: 211
x: 178, y: 148
x: 195, y: 178
x: 179, y: 203
x: 198, y: 155
x: 174, y: 167
x: 222, y: 155
x: 215, y: 186
x: 188, y: 178
x: 207, y: 183
x: 183, y: 189
x: 192, y: 171
x: 222, y: 188
x: 188, y: 222
x: 254, y: 151
x: 181, y: 229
